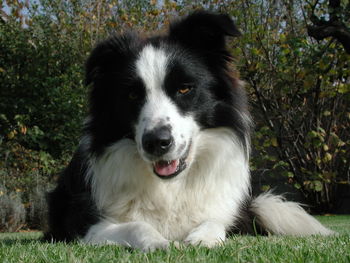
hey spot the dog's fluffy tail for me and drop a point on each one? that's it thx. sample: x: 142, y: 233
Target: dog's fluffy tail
x: 281, y: 217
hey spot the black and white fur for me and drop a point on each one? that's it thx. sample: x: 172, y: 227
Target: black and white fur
x: 165, y: 151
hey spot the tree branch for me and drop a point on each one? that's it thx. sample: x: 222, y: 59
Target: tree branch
x: 335, y: 28
x: 337, y: 31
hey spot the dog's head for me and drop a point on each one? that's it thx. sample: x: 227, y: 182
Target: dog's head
x: 161, y: 91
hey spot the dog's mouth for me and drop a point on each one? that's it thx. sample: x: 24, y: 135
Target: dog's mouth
x: 169, y: 169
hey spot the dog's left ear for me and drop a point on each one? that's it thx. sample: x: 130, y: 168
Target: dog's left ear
x: 203, y: 30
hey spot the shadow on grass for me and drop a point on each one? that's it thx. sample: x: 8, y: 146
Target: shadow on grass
x: 22, y: 238
x: 11, y: 241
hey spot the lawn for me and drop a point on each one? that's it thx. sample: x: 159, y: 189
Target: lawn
x: 25, y: 247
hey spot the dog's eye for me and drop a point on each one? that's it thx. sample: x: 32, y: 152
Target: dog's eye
x: 186, y: 88
x: 133, y: 95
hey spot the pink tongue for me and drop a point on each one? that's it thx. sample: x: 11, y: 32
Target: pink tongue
x: 165, y: 169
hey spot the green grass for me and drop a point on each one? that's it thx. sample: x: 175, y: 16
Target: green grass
x: 25, y: 247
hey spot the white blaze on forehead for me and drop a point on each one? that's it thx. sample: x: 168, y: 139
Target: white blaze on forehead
x: 151, y: 67
x: 159, y: 109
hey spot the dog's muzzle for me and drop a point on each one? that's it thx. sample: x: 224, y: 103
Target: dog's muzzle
x: 159, y: 144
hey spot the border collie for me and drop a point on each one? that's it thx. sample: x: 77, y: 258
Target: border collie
x: 165, y: 152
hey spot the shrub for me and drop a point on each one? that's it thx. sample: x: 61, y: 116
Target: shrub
x: 300, y: 94
x: 26, y: 175
x: 12, y: 211
x: 37, y: 212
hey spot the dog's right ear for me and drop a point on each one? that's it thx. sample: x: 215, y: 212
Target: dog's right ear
x: 110, y: 55
x: 203, y: 30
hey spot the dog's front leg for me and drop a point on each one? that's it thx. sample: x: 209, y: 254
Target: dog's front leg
x: 139, y: 235
x: 207, y: 234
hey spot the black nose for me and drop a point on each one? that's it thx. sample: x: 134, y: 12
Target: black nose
x: 157, y: 141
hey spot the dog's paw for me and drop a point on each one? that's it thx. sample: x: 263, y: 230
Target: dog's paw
x: 152, y: 245
x: 207, y: 234
x: 206, y: 241
x: 161, y: 245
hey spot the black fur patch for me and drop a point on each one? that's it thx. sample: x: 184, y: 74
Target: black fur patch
x: 117, y: 94
x: 71, y: 208
x: 247, y: 223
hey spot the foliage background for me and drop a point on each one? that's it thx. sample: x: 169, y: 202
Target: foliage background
x: 299, y: 90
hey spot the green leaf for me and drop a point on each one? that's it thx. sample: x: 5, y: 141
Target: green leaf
x: 288, y: 174
x: 255, y: 51
x: 265, y: 188
x: 312, y: 134
x: 343, y: 88
x: 318, y: 186
x: 297, y: 186
x: 280, y: 164
x: 327, y: 157
x: 274, y: 142
x: 326, y: 113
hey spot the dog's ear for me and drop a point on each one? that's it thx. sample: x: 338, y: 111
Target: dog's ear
x: 110, y: 55
x: 203, y: 30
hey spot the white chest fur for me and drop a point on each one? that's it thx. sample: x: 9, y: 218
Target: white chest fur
x: 125, y: 189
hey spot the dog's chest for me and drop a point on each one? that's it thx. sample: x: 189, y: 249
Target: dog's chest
x: 125, y: 190
x: 173, y: 209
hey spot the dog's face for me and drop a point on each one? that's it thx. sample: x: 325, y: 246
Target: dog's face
x: 161, y: 92
x: 176, y: 94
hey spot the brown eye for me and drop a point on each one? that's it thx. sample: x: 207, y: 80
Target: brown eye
x: 133, y: 95
x: 186, y: 88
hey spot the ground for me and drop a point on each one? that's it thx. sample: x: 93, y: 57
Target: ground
x: 26, y: 247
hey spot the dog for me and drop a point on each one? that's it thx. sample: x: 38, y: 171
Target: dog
x: 164, y: 155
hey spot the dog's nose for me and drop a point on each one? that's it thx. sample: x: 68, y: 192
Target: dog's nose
x: 157, y: 141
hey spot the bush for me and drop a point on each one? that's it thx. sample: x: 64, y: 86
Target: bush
x: 42, y: 95
x: 300, y: 93
x: 37, y: 212
x: 28, y: 174
x: 12, y: 211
